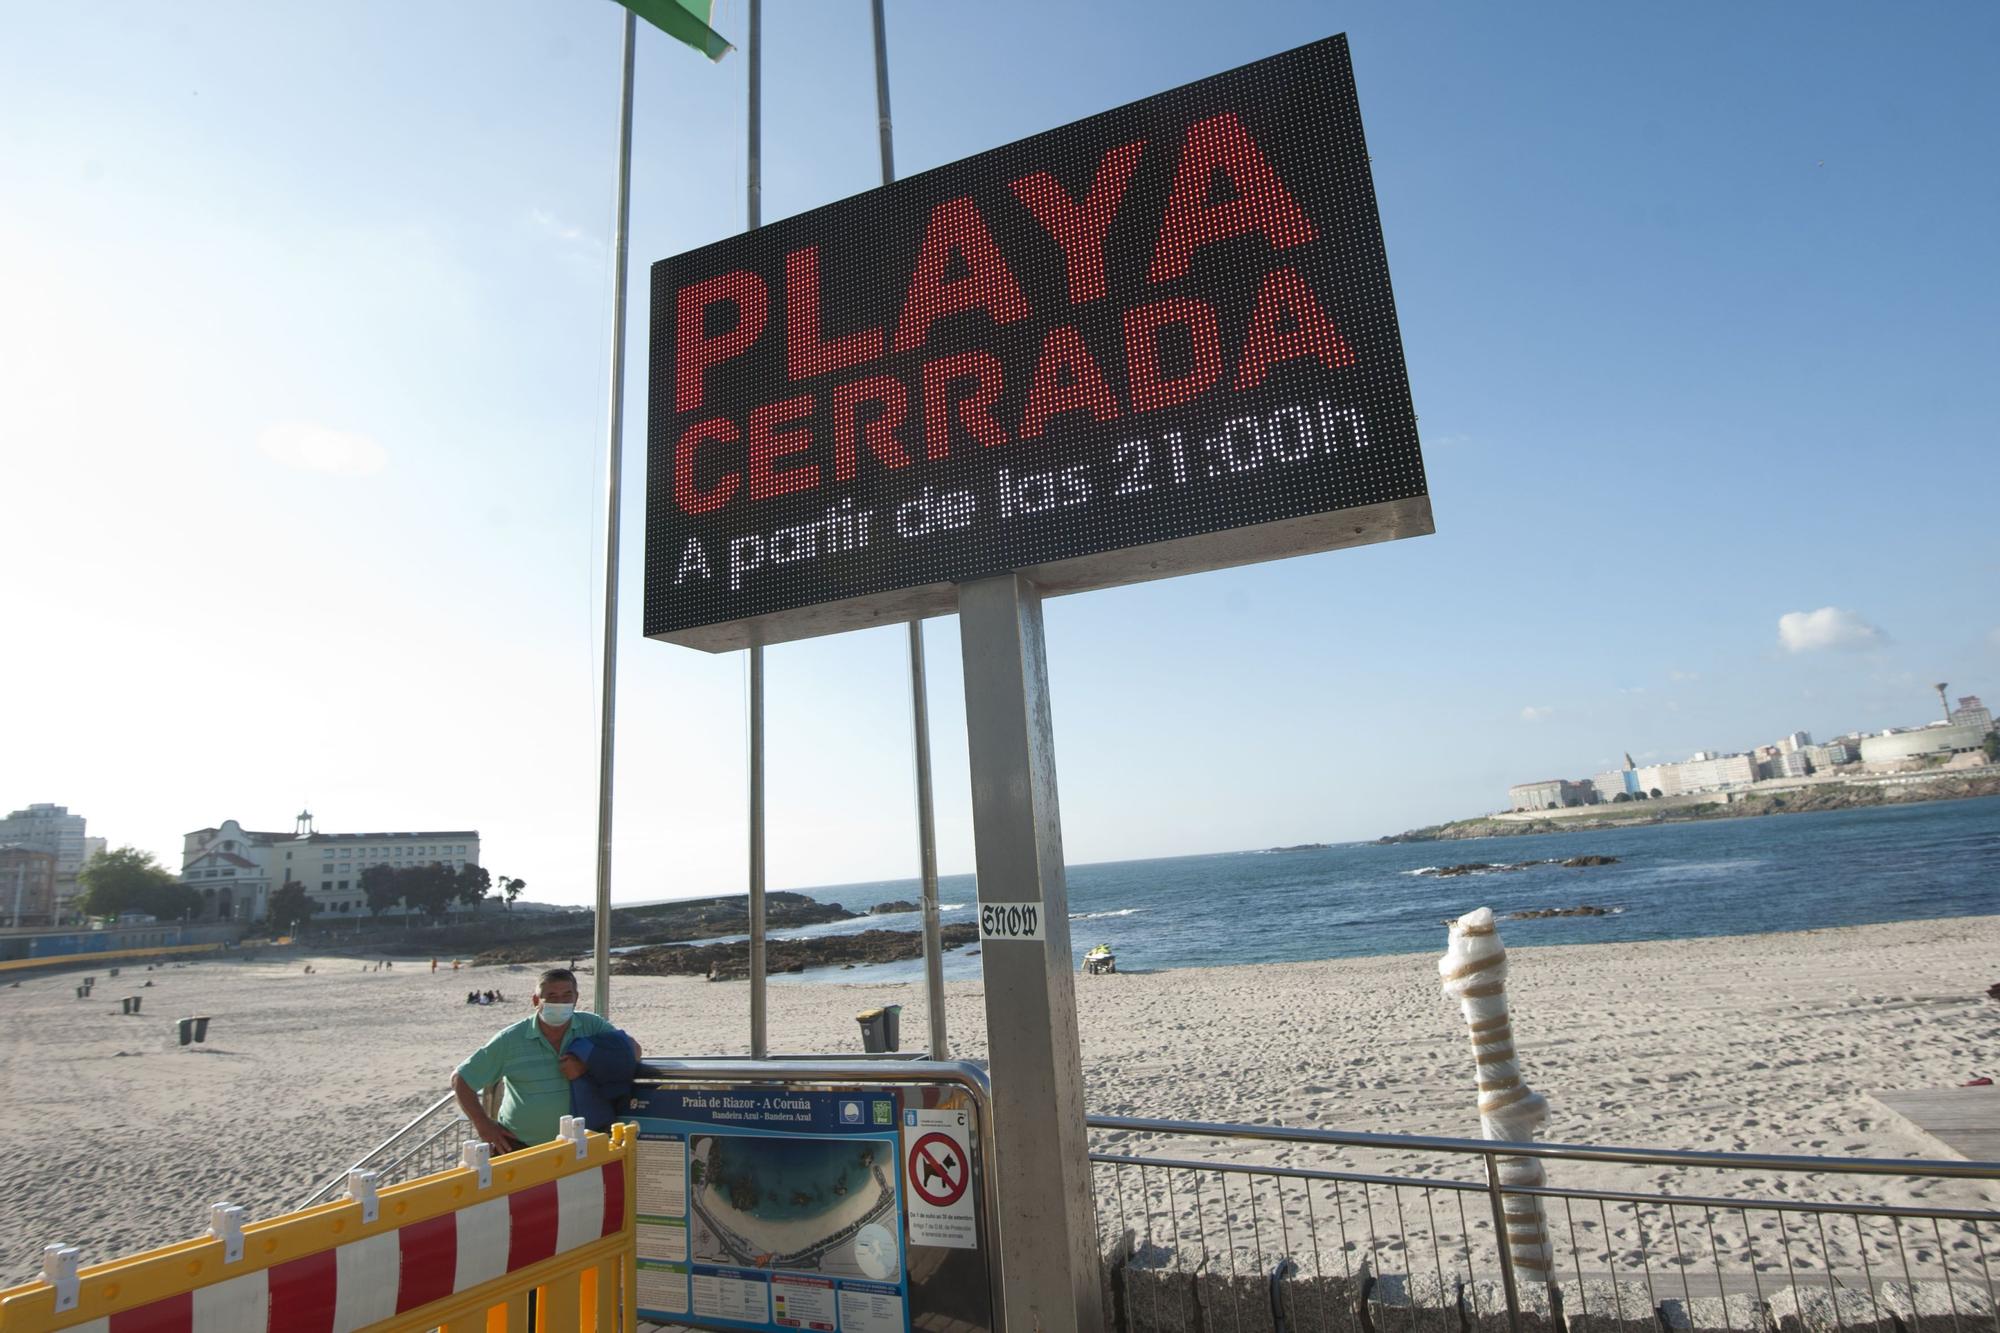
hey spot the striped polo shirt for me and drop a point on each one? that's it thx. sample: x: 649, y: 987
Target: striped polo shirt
x: 534, y: 1094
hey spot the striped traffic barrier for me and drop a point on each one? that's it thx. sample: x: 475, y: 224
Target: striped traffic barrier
x: 459, y: 1250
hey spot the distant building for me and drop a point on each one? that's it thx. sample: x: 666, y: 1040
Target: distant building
x: 1618, y: 782
x: 52, y: 829
x: 1713, y: 772
x: 1553, y: 794
x: 1831, y: 755
x: 237, y: 869
x: 1785, y: 764
x: 27, y: 886
x: 1972, y: 713
x: 1937, y: 739
x: 1662, y: 778
x: 1792, y: 744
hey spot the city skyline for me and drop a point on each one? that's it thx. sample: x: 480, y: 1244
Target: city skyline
x: 315, y: 452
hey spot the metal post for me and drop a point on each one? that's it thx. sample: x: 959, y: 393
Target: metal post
x: 759, y: 1041
x: 1048, y: 1232
x: 920, y: 713
x: 1500, y: 1241
x: 920, y: 730
x: 607, y: 710
x: 20, y: 887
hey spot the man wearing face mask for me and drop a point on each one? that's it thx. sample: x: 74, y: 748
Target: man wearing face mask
x: 530, y: 1061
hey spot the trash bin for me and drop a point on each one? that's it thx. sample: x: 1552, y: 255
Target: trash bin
x: 137, y: 1002
x: 114, y: 972
x: 83, y: 992
x: 125, y: 1005
x: 881, y: 1029
x: 201, y: 1027
x: 186, y: 1029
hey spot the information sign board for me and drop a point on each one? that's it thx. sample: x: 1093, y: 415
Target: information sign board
x: 1158, y: 340
x: 771, y: 1209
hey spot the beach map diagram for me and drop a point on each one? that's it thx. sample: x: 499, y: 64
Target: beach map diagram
x: 808, y: 1205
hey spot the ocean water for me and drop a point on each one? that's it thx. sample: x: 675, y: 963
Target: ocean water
x: 1672, y: 881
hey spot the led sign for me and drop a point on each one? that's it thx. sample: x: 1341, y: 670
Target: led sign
x: 1152, y: 342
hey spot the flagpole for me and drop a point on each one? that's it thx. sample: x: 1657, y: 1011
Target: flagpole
x: 607, y: 709
x: 920, y: 712
x: 754, y: 52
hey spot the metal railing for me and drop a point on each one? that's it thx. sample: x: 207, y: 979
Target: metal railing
x: 1200, y: 1234
x: 1227, y: 1244
x: 428, y: 1143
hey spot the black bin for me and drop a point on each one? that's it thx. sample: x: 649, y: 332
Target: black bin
x: 881, y: 1029
x: 185, y: 1029
x: 201, y: 1027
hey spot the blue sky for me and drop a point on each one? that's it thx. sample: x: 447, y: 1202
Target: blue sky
x: 302, y: 365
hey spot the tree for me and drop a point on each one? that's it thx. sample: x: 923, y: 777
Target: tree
x: 128, y: 880
x: 1656, y: 794
x: 473, y: 885
x: 430, y: 889
x: 379, y: 884
x: 1621, y: 798
x: 510, y: 889
x: 1640, y: 796
x: 1992, y: 747
x: 289, y: 908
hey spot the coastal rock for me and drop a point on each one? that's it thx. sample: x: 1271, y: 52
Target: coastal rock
x: 731, y: 961
x: 891, y: 908
x: 1491, y: 868
x: 1542, y: 913
x: 499, y: 940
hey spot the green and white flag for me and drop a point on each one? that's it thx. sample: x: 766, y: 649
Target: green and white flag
x: 684, y: 21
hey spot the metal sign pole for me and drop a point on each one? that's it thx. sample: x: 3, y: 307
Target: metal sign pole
x: 1048, y: 1233
x: 759, y: 1043
x: 920, y: 713
x: 608, y: 703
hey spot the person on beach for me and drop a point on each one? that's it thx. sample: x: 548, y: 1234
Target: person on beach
x: 531, y: 1061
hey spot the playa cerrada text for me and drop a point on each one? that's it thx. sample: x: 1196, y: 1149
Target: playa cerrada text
x: 1185, y: 288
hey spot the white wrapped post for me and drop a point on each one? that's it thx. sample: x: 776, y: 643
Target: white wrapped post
x: 1474, y: 972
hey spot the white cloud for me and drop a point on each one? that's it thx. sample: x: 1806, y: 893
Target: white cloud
x: 1683, y: 675
x: 313, y: 448
x: 1828, y: 627
x: 570, y: 232
x: 1535, y: 713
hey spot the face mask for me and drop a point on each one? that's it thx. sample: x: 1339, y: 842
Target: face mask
x: 555, y: 1015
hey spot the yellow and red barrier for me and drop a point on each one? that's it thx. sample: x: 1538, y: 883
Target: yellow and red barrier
x: 458, y: 1251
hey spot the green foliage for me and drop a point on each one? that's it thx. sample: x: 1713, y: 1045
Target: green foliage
x: 431, y: 889
x: 473, y: 885
x: 510, y: 889
x: 379, y: 885
x: 129, y: 880
x: 290, y: 908
x: 1992, y: 747
x: 1621, y: 798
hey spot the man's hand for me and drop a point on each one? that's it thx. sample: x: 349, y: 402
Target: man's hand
x: 496, y: 1138
x: 572, y: 1068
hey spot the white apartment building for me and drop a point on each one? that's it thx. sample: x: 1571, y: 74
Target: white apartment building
x: 238, y: 869
x: 1711, y: 772
x: 53, y: 829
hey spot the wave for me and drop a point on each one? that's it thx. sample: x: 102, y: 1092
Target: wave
x: 1098, y: 916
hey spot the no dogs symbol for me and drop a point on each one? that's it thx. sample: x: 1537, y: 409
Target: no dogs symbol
x: 937, y: 1170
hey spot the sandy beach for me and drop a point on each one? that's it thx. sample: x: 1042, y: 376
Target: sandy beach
x: 113, y: 1138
